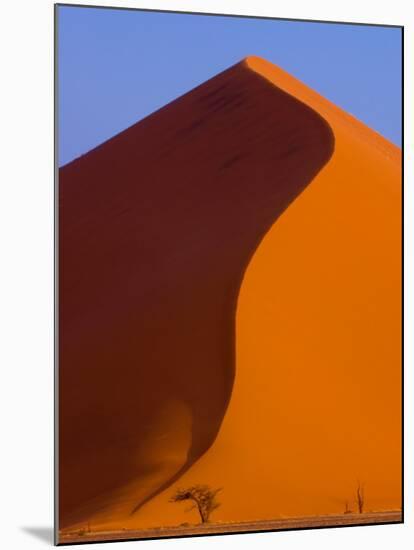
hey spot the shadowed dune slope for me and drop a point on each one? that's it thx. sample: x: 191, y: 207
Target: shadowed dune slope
x: 157, y: 227
x: 316, y: 403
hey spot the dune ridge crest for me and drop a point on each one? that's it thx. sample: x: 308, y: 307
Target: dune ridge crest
x: 334, y: 114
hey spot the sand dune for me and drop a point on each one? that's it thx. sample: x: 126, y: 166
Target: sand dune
x: 316, y: 404
x: 157, y: 228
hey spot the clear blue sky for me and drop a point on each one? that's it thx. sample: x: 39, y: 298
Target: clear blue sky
x: 118, y: 66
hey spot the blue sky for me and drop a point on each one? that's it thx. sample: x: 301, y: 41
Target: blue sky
x: 118, y: 66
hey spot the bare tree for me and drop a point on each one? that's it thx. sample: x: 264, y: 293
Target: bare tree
x: 360, y: 497
x: 347, y: 508
x: 203, y: 497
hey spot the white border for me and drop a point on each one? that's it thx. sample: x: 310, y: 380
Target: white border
x: 26, y: 271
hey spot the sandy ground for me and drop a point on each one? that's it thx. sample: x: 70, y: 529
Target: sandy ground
x: 240, y: 527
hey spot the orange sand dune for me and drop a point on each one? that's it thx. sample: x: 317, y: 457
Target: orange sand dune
x: 315, y: 404
x: 157, y: 227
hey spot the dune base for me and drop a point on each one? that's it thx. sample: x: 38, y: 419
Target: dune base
x: 374, y: 518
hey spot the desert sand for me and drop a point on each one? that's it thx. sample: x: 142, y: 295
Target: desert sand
x: 88, y: 535
x: 230, y: 310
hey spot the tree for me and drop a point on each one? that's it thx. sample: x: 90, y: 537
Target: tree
x: 360, y: 497
x: 203, y: 497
